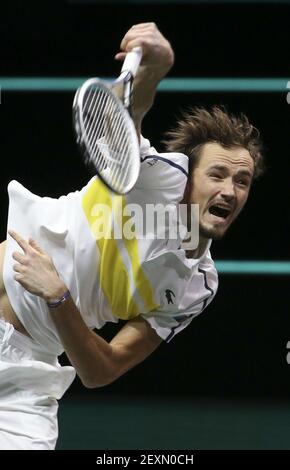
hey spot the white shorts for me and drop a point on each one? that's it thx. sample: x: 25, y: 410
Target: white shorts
x: 31, y: 382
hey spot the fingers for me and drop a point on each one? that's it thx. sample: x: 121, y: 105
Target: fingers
x: 144, y: 25
x: 156, y: 49
x: 18, y: 268
x: 19, y: 257
x: 137, y: 35
x: 120, y: 56
x: 21, y: 242
x: 35, y: 245
x: 19, y: 278
x: 21, y: 266
x: 134, y: 40
x: 24, y: 244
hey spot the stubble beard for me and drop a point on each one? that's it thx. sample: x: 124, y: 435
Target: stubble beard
x: 211, y: 233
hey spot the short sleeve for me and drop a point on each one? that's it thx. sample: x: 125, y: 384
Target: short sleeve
x: 182, y: 292
x: 168, y: 324
x: 164, y: 172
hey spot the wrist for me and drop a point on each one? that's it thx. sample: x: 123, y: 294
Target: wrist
x: 55, y: 294
x: 150, y: 75
x: 56, y: 303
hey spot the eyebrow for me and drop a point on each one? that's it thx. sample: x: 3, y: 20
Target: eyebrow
x: 224, y: 168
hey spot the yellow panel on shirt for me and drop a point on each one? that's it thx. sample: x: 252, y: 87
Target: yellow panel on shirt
x: 113, y: 273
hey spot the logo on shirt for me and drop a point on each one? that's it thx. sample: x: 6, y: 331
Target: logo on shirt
x: 168, y: 295
x: 152, y: 162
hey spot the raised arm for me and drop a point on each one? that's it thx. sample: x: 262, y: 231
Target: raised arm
x: 158, y: 58
x: 96, y: 361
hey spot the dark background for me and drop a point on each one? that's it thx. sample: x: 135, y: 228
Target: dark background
x: 237, y: 348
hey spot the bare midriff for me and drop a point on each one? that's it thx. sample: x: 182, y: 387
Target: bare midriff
x: 6, y: 311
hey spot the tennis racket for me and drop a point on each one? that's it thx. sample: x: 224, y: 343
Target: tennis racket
x: 104, y: 128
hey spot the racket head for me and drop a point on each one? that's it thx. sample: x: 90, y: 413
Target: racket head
x: 106, y: 135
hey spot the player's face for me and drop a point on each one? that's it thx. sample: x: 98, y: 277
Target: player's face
x: 220, y: 185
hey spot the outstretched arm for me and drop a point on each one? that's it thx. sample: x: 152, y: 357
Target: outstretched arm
x: 157, y: 60
x: 96, y: 361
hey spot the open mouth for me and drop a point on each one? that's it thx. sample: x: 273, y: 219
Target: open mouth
x: 219, y: 211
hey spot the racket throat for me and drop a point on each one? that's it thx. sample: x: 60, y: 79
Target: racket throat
x: 128, y: 95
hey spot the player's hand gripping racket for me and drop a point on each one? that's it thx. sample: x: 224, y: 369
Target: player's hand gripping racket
x: 105, y: 131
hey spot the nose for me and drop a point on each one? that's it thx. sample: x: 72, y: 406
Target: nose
x: 228, y: 190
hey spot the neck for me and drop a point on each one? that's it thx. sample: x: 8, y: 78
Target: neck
x: 199, y: 250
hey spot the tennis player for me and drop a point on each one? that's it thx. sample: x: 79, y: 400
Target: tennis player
x: 60, y: 280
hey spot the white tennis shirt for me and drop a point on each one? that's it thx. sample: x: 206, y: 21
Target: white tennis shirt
x: 110, y: 278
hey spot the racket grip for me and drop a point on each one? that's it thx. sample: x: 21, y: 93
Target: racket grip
x: 132, y: 61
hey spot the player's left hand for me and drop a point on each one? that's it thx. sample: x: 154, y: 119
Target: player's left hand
x: 35, y: 270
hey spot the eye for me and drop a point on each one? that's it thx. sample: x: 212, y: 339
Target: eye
x: 243, y: 183
x: 216, y: 176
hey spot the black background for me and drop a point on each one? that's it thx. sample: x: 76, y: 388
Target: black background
x: 238, y: 346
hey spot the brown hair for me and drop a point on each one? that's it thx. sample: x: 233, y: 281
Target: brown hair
x: 199, y: 126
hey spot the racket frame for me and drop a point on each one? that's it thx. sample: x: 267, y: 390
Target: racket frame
x: 126, y: 77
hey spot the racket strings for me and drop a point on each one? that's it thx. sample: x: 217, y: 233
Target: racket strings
x: 92, y: 126
x: 107, y: 134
